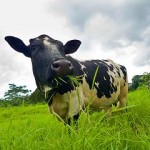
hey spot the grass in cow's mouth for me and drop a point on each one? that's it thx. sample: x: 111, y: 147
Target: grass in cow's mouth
x: 59, y: 81
x: 75, y: 80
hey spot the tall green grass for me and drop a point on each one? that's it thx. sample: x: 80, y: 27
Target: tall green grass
x: 32, y: 127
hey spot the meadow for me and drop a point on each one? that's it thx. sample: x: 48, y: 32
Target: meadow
x: 32, y: 127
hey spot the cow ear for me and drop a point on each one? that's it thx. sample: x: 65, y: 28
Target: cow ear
x: 72, y: 46
x: 18, y: 45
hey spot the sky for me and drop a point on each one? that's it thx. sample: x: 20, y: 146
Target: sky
x: 108, y: 29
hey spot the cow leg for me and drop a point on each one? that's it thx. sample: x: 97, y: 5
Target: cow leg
x: 122, y: 99
x: 73, y: 120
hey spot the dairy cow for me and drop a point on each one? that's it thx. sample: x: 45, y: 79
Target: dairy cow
x: 71, y: 85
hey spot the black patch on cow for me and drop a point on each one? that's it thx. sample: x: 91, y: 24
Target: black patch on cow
x: 112, y: 79
x: 77, y: 70
x: 105, y: 85
x: 75, y: 119
x: 123, y: 69
x: 118, y: 71
x: 63, y: 85
x: 110, y: 66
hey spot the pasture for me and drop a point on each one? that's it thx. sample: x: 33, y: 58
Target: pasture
x: 32, y: 127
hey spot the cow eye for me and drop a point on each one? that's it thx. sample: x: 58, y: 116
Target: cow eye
x: 35, y: 47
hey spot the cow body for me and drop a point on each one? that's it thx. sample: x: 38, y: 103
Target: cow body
x: 71, y: 85
x: 109, y: 87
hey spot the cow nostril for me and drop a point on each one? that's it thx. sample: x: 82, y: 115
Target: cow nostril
x: 55, y: 66
x: 70, y: 65
x: 62, y: 67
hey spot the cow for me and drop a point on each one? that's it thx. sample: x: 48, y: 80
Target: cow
x: 70, y: 85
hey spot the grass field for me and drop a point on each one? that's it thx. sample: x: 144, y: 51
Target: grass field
x: 33, y: 128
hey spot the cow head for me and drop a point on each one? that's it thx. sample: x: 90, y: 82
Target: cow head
x: 48, y: 57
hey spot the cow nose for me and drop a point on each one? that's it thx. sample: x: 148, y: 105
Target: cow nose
x: 62, y: 67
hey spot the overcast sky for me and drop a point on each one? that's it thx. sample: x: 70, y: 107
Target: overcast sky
x: 108, y: 29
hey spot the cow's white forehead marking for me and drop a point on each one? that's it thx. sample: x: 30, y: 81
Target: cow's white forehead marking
x: 49, y: 44
x: 46, y: 38
x: 46, y: 42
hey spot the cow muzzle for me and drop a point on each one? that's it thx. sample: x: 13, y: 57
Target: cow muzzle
x: 62, y: 67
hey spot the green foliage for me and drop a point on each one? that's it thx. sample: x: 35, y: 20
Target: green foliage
x: 140, y: 80
x: 146, y: 79
x: 33, y: 128
x: 4, y: 103
x: 15, y: 96
x: 36, y: 97
x: 16, y: 92
x: 136, y: 81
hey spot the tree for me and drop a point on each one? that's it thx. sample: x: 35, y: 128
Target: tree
x: 146, y: 79
x: 16, y: 92
x: 139, y: 81
x: 37, y: 97
x: 136, y: 82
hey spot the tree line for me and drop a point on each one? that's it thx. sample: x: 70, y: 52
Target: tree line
x: 20, y: 95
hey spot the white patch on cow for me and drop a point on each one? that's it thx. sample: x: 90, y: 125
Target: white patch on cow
x: 95, y: 63
x: 46, y: 42
x: 46, y: 90
x: 109, y: 62
x: 49, y: 44
x: 46, y: 38
x: 93, y: 101
x: 104, y: 78
x: 82, y: 66
x: 68, y: 104
x: 76, y: 102
x: 97, y: 84
x: 85, y: 75
x: 114, y: 74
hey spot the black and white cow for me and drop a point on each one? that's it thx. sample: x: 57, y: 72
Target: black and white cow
x: 71, y: 85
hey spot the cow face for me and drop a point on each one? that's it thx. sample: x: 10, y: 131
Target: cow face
x: 47, y: 56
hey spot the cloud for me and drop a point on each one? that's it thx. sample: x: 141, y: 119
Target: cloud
x: 14, y: 68
x: 142, y: 57
x: 127, y: 15
x: 111, y: 23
